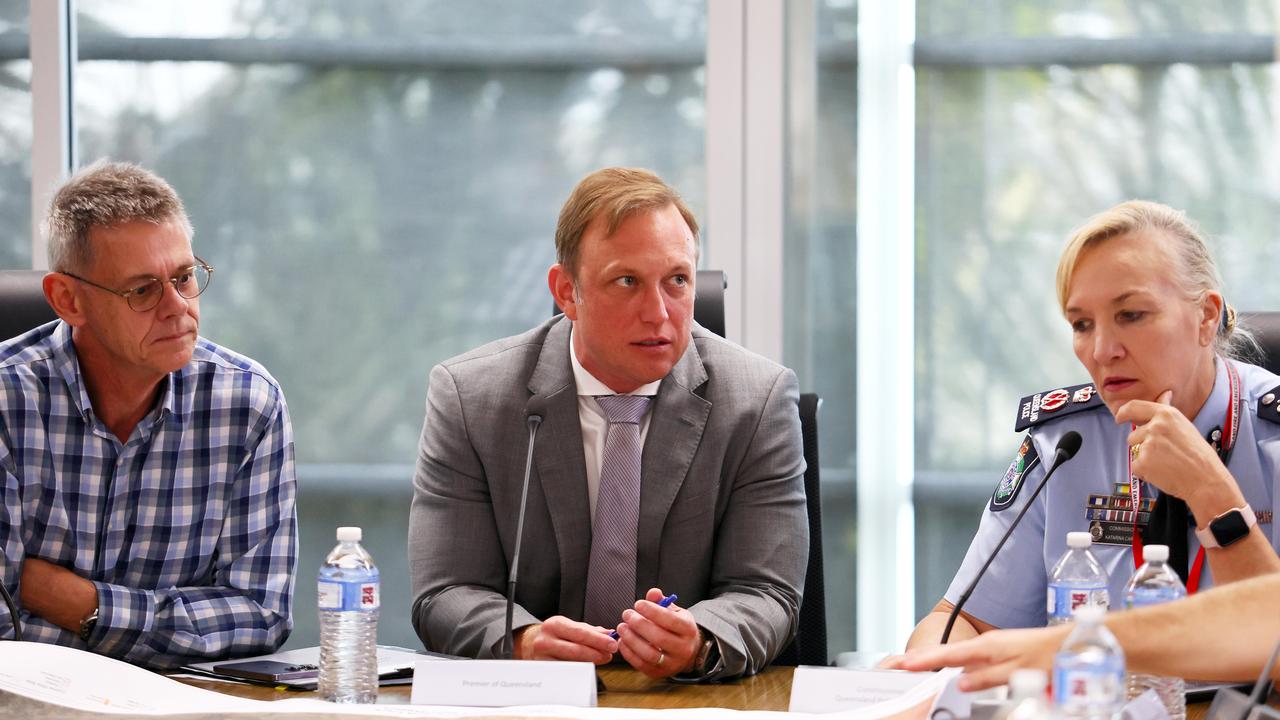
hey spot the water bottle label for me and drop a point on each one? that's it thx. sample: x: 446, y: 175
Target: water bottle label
x: 1064, y: 599
x: 353, y: 595
x: 1081, y: 687
x: 1142, y: 597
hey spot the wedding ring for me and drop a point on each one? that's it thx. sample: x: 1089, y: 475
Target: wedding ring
x: 661, y: 656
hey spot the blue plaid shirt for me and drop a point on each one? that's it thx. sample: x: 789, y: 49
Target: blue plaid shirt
x: 188, y: 530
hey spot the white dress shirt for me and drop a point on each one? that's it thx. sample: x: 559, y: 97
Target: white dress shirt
x: 595, y: 424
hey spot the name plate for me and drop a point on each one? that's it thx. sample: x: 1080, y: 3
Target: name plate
x: 827, y: 689
x: 504, y: 683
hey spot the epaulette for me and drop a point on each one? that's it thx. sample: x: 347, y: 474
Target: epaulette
x: 1046, y: 406
x: 1268, y: 408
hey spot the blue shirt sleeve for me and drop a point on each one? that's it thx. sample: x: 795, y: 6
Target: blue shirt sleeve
x: 1012, y: 593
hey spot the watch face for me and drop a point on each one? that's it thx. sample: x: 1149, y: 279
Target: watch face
x: 1229, y: 528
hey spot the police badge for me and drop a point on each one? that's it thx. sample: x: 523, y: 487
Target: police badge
x: 1011, y: 483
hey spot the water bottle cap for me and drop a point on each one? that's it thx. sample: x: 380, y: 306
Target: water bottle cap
x: 1028, y: 682
x: 1155, y: 553
x: 1079, y: 540
x: 1090, y: 614
x: 350, y: 534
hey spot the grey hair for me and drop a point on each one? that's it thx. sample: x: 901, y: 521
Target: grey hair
x: 101, y: 195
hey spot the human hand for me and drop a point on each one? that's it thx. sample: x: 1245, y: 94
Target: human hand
x: 892, y: 662
x: 990, y: 658
x: 56, y: 593
x: 1171, y: 454
x: 659, y: 641
x: 559, y: 638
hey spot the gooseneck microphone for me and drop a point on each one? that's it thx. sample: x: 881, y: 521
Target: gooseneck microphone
x: 1067, y: 448
x: 533, y: 418
x: 13, y: 612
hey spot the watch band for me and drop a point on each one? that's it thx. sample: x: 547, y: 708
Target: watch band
x: 88, y: 624
x: 1228, y: 528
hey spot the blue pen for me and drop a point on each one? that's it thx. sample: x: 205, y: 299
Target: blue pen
x: 664, y: 602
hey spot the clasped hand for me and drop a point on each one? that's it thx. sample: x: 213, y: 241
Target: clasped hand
x: 657, y: 641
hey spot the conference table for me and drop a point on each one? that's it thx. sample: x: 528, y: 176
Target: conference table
x: 769, y: 690
x: 626, y: 688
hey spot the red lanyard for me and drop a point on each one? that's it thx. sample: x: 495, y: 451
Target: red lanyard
x: 1230, y: 427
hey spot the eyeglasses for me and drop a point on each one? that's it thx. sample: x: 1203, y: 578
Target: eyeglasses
x: 189, y: 283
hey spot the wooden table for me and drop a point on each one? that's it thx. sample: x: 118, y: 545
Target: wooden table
x: 770, y: 690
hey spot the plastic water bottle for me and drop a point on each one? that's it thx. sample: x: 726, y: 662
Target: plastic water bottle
x: 1028, y: 696
x: 1077, y: 580
x: 1088, y: 672
x: 1154, y: 583
x: 348, y: 603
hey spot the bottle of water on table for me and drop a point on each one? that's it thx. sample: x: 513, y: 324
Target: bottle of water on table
x: 1154, y: 583
x: 1077, y: 580
x: 1088, y: 672
x: 1028, y: 693
x: 348, y: 604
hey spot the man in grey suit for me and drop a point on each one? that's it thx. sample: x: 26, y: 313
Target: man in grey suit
x: 690, y: 483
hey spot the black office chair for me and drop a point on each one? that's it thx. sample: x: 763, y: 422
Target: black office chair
x: 708, y: 310
x: 810, y: 644
x: 1265, y: 327
x: 22, y: 303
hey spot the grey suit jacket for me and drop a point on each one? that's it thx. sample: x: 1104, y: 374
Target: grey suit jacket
x: 722, y: 508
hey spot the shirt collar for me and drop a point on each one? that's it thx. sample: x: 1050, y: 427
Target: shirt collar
x: 68, y: 364
x: 1214, y: 411
x: 589, y: 384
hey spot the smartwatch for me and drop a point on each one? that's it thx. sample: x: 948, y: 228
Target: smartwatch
x: 1230, y: 527
x: 88, y: 624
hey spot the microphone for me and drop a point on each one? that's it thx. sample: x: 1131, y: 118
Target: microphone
x: 1067, y: 448
x: 533, y: 418
x: 13, y: 612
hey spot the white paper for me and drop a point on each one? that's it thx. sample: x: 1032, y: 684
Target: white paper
x: 81, y: 681
x: 828, y: 689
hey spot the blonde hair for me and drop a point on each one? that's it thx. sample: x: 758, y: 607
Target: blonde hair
x: 615, y: 194
x: 101, y: 195
x: 1195, y: 271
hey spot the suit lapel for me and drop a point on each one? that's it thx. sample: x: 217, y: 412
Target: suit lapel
x: 675, y: 431
x: 561, y: 466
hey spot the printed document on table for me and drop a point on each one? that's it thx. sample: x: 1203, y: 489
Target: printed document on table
x: 44, y: 680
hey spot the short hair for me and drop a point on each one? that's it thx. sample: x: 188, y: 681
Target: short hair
x: 1196, y: 273
x: 616, y: 194
x: 101, y: 195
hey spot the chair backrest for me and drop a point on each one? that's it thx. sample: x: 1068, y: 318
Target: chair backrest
x: 810, y: 644
x: 22, y: 303
x: 1266, y: 330
x: 708, y: 310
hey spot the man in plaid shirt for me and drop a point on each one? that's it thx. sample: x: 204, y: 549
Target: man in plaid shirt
x: 146, y: 474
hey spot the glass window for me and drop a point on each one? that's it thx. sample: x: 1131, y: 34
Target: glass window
x: 819, y: 291
x: 378, y: 185
x: 1010, y: 159
x: 15, y: 136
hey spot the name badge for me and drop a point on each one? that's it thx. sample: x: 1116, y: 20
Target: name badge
x: 504, y: 683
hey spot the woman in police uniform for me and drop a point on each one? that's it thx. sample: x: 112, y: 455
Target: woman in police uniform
x: 1198, y: 431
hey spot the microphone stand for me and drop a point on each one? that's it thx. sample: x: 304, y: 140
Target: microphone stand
x: 508, y: 639
x: 1061, y: 455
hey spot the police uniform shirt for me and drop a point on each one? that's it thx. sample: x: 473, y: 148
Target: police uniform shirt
x: 1090, y: 493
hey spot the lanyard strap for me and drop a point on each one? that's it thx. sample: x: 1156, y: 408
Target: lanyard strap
x: 1223, y: 442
